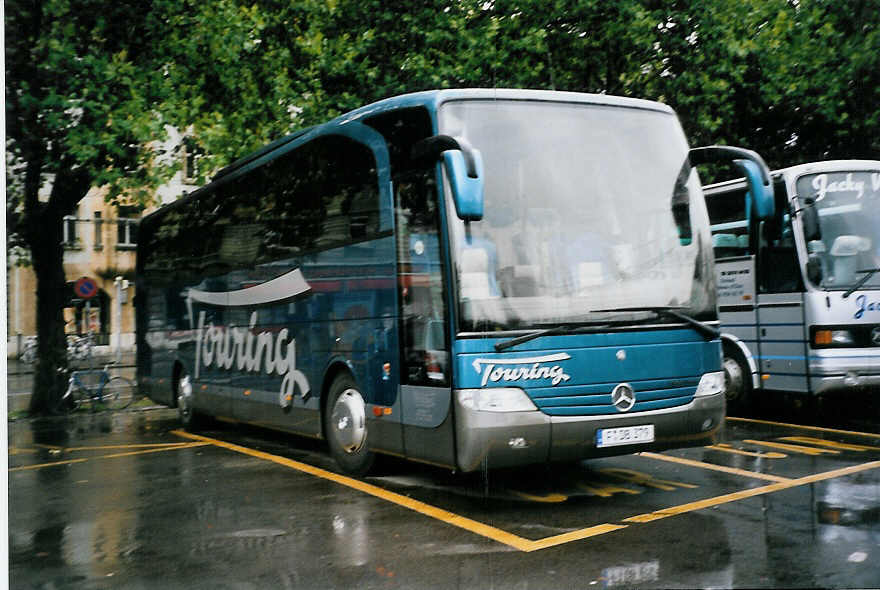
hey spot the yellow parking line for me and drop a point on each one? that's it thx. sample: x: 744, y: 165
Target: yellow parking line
x: 17, y: 451
x: 821, y: 442
x: 791, y: 448
x: 135, y: 446
x: 144, y: 452
x: 545, y: 499
x: 112, y: 456
x: 578, y: 535
x: 726, y: 448
x: 775, y: 487
x: 816, y: 428
x: 713, y: 467
x: 41, y: 465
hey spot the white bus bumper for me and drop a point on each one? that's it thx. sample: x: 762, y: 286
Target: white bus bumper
x: 842, y: 370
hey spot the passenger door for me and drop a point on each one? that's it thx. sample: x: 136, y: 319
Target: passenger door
x: 783, y: 361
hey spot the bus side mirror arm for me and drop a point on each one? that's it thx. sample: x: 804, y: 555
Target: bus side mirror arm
x: 809, y: 218
x: 753, y: 166
x: 464, y: 169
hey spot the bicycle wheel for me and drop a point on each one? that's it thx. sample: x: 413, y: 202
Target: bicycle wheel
x: 118, y: 393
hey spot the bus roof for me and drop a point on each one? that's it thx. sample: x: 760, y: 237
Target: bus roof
x: 797, y: 170
x: 829, y: 165
x: 434, y: 98
x: 430, y: 99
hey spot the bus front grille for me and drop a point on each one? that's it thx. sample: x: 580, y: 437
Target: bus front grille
x: 595, y: 400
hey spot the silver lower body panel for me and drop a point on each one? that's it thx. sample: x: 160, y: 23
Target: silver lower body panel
x: 842, y: 371
x: 489, y: 440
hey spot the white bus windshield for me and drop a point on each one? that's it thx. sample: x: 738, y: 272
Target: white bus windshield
x: 579, y: 216
x: 848, y: 204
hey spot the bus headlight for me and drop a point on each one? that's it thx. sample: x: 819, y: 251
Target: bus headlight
x: 710, y: 384
x: 829, y: 338
x: 496, y: 399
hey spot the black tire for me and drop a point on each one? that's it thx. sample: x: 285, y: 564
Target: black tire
x: 737, y: 381
x: 345, y: 426
x: 118, y: 393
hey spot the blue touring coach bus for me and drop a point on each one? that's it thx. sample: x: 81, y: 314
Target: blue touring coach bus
x: 468, y: 278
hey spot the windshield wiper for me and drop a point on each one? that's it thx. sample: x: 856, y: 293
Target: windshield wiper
x: 561, y: 329
x: 862, y: 280
x: 705, y: 329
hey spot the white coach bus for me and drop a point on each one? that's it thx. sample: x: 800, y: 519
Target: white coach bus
x: 799, y: 290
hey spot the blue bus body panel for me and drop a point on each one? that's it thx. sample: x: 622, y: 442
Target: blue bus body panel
x: 574, y: 375
x: 347, y: 313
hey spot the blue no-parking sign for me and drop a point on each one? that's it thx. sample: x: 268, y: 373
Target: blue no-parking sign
x: 85, y: 288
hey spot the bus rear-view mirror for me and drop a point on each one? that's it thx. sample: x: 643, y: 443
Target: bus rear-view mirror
x: 810, y: 221
x: 753, y: 166
x: 464, y: 169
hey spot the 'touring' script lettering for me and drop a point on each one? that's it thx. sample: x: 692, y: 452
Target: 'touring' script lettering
x: 529, y: 369
x: 226, y: 347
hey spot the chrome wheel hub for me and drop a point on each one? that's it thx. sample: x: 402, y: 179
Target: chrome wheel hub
x: 184, y: 393
x: 734, y: 379
x: 349, y: 421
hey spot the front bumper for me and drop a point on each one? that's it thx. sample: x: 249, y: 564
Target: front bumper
x: 506, y: 439
x: 844, y: 370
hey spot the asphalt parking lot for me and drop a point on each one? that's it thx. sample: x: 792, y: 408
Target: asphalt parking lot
x: 128, y: 500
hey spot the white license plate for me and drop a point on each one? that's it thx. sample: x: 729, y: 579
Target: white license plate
x: 627, y: 435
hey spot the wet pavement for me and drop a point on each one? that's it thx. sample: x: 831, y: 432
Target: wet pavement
x: 127, y: 500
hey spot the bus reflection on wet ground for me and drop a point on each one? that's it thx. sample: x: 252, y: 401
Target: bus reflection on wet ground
x: 129, y: 500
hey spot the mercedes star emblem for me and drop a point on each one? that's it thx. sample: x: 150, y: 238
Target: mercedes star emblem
x: 623, y: 397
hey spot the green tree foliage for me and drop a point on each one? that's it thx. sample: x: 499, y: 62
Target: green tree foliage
x: 79, y: 99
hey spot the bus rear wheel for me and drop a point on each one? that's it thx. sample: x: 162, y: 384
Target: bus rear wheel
x: 737, y: 382
x: 345, y: 426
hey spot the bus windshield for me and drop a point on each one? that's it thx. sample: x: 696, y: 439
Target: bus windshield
x: 587, y: 208
x: 848, y: 204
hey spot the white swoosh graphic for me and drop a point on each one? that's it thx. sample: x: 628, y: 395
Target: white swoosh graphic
x: 280, y: 288
x: 562, y: 356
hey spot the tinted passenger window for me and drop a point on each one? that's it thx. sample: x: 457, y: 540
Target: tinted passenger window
x: 319, y: 196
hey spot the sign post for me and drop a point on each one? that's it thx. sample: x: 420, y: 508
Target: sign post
x: 86, y: 288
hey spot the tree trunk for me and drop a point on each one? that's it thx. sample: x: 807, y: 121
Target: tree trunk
x: 50, y: 371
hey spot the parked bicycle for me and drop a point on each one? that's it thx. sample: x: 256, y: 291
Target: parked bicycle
x: 28, y: 352
x: 79, y: 348
x: 99, y: 389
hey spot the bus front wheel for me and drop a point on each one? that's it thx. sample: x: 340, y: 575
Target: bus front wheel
x: 737, y: 382
x: 345, y: 426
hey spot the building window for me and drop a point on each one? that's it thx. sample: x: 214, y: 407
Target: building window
x: 99, y: 231
x: 126, y: 227
x: 191, y: 156
x: 69, y: 237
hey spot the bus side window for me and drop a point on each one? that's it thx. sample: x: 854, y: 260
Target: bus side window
x: 422, y: 299
x: 778, y: 267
